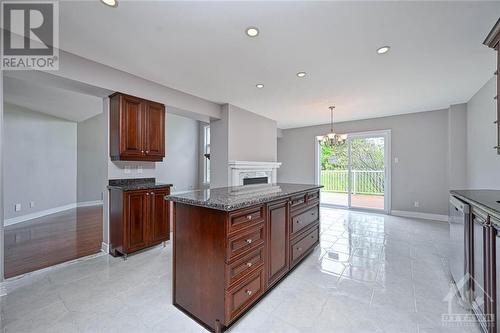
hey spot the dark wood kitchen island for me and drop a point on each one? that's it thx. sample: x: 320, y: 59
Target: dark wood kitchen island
x: 232, y: 244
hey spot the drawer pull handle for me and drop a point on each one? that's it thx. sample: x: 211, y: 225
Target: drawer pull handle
x: 249, y: 264
x: 147, y: 151
x: 142, y: 151
x: 313, y: 213
x: 248, y: 292
x: 298, y: 221
x: 249, y: 217
x: 312, y: 237
x: 249, y: 241
x: 299, y: 249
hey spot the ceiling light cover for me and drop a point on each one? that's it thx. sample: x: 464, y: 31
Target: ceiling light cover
x: 301, y: 74
x: 259, y: 85
x: 110, y: 3
x: 383, y: 49
x: 252, y: 32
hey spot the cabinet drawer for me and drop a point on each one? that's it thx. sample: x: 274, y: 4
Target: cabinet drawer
x: 245, y: 241
x: 245, y: 218
x: 304, y: 219
x: 312, y: 197
x: 298, y: 202
x: 243, y: 295
x: 301, y: 247
x: 244, y: 266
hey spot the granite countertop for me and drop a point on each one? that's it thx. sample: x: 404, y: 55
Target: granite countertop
x: 488, y: 200
x: 136, y: 184
x: 232, y: 198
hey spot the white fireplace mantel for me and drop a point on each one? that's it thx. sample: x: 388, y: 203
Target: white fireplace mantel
x: 239, y: 170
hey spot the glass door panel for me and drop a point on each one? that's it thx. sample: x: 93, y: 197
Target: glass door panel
x: 367, y: 172
x: 334, y: 174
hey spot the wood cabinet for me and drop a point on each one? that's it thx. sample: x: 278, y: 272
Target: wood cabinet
x: 137, y: 129
x: 493, y: 41
x: 138, y: 219
x: 224, y: 262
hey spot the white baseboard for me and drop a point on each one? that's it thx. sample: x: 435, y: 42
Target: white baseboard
x: 418, y: 215
x: 42, y: 213
x: 105, y: 247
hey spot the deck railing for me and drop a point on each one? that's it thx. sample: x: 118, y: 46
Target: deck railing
x: 363, y: 181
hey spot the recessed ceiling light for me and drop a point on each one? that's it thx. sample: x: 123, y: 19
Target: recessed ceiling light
x: 301, y: 74
x: 383, y: 49
x: 110, y: 3
x: 252, y: 32
x: 260, y: 85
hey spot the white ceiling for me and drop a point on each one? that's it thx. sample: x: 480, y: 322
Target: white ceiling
x: 437, y: 57
x: 44, y: 97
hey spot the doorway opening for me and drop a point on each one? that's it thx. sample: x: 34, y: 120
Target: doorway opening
x: 356, y: 173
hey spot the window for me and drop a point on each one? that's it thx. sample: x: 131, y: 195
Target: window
x: 206, y: 153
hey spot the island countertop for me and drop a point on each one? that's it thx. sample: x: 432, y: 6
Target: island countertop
x: 237, y: 197
x: 488, y: 200
x: 136, y: 184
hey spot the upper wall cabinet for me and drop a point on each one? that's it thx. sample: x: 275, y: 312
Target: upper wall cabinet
x: 493, y: 41
x: 137, y: 129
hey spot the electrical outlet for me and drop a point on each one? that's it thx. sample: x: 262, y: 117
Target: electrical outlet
x: 417, y: 204
x: 127, y: 169
x: 32, y: 204
x: 396, y: 160
x: 17, y: 207
x: 139, y: 169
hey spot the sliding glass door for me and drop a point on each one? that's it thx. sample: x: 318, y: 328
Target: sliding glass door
x: 355, y: 173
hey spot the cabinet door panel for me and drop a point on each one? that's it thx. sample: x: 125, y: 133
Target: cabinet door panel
x: 132, y: 127
x: 277, y: 232
x: 159, y: 228
x: 155, y: 129
x: 136, y: 230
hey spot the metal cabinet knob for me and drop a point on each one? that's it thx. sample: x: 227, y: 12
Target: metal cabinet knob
x: 147, y: 151
x: 249, y: 217
x: 142, y: 151
x: 152, y: 193
x: 248, y: 292
x: 249, y: 264
x: 298, y: 221
x: 147, y: 193
x: 299, y: 249
x: 249, y: 241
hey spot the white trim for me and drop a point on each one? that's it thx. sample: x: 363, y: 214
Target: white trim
x: 253, y: 164
x: 419, y: 215
x: 238, y: 170
x: 89, y: 203
x: 42, y: 213
x: 105, y: 247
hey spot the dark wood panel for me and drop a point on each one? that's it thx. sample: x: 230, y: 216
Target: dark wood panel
x: 154, y: 130
x: 159, y: 217
x: 245, y: 218
x: 304, y: 219
x: 136, y: 232
x: 52, y: 239
x: 277, y: 241
x: 242, y: 296
x: 244, y: 266
x: 131, y: 134
x: 301, y: 247
x: 245, y: 241
x: 199, y: 262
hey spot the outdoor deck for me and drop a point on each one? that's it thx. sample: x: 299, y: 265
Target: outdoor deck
x: 357, y: 200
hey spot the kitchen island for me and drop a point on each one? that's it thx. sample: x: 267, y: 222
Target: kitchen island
x: 232, y: 244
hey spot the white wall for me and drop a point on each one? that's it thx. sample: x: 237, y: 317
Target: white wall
x: 40, y: 161
x: 239, y: 135
x: 419, y: 140
x: 92, y: 172
x: 483, y: 163
x: 457, y: 141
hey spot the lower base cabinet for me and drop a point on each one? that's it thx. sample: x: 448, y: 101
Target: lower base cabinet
x: 224, y: 262
x: 138, y: 220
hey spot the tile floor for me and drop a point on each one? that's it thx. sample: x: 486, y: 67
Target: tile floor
x: 371, y: 273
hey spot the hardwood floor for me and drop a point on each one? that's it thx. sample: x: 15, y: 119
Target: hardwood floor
x: 52, y: 239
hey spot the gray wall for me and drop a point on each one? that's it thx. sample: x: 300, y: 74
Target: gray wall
x: 180, y: 166
x: 219, y: 149
x: 251, y: 137
x: 457, y: 141
x: 92, y: 172
x: 483, y: 163
x: 239, y: 135
x: 40, y: 161
x: 419, y: 141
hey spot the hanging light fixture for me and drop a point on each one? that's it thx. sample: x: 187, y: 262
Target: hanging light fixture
x: 332, y: 138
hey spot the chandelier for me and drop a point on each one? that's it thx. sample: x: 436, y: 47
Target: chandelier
x: 332, y: 138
